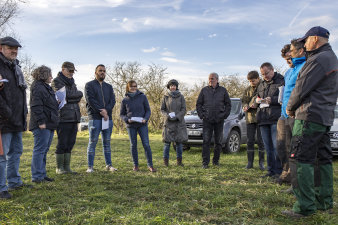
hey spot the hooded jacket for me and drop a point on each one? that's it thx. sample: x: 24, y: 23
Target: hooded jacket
x: 136, y: 105
x: 315, y: 94
x: 290, y: 81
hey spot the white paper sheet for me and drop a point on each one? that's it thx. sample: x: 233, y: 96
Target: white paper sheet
x: 105, y: 124
x: 172, y: 114
x: 4, y: 80
x: 61, y: 97
x: 136, y: 119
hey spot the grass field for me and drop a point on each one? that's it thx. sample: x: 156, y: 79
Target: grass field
x: 228, y: 194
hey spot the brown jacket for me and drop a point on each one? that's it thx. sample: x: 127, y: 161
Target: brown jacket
x: 247, y: 100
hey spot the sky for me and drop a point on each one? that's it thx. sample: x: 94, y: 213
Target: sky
x: 191, y: 38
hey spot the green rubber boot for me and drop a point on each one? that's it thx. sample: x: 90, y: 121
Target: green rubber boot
x: 59, y: 164
x: 67, y: 163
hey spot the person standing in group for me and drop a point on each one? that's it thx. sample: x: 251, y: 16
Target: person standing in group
x: 69, y: 117
x: 13, y: 112
x: 312, y: 103
x: 268, y: 113
x: 100, y: 103
x: 213, y: 107
x: 285, y: 123
x: 135, y: 112
x: 173, y: 108
x: 250, y: 109
x: 43, y: 121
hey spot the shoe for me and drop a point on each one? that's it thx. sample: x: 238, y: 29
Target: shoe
x: 90, y: 170
x: 205, y: 166
x: 152, y: 169
x: 60, y: 164
x: 5, y: 195
x: 136, y: 168
x: 215, y: 163
x: 110, y: 168
x: 179, y: 162
x: 48, y: 179
x: 288, y: 191
x: 292, y: 214
x: 67, y: 168
x: 39, y: 181
x: 166, y: 162
x: 23, y: 185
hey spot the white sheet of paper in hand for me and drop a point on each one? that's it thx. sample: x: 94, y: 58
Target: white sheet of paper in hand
x: 4, y: 80
x: 105, y: 124
x: 172, y: 114
x: 136, y: 119
x: 264, y: 105
x: 61, y: 97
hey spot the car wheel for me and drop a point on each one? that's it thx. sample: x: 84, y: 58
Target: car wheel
x: 233, y: 143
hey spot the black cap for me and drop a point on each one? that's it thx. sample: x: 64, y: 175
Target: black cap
x: 172, y: 82
x: 68, y: 65
x: 10, y: 42
x: 316, y: 31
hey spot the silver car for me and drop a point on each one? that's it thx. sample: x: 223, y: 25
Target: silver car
x: 234, y: 129
x: 334, y: 133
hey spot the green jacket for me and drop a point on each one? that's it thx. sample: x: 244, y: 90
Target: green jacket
x: 248, y: 99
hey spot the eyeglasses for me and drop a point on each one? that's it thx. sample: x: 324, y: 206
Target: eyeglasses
x: 135, y: 86
x: 71, y: 71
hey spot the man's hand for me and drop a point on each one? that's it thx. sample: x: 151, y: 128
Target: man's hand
x: 144, y: 121
x: 258, y: 100
x: 290, y: 113
x: 42, y: 126
x: 245, y: 108
x: 268, y: 100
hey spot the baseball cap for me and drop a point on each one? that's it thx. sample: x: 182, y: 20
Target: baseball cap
x: 10, y: 42
x: 316, y: 31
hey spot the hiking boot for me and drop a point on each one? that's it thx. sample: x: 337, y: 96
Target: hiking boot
x: 179, y: 162
x: 5, y: 195
x: 90, y: 169
x: 166, y: 162
x: 110, y: 168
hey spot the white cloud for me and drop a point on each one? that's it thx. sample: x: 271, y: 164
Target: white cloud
x: 167, y: 53
x: 149, y: 50
x: 173, y: 60
x: 212, y: 35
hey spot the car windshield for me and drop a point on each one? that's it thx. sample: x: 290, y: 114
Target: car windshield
x: 336, y: 112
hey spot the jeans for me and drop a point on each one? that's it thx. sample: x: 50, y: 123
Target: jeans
x: 66, y: 137
x: 143, y: 132
x: 269, y: 137
x: 42, y: 141
x: 208, y: 130
x: 179, y: 150
x: 95, y: 128
x: 10, y: 160
x: 252, y: 128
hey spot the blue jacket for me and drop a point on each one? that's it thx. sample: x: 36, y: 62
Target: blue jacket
x: 290, y: 81
x: 99, y: 97
x: 136, y: 106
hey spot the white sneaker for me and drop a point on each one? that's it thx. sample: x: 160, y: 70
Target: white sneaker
x: 90, y: 170
x: 110, y: 168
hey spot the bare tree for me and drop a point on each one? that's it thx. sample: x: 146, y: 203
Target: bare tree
x: 27, y: 67
x: 8, y: 10
x: 234, y: 84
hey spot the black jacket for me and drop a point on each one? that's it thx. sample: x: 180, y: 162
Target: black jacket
x: 213, y: 104
x: 271, y: 114
x: 99, y: 97
x: 13, y: 105
x: 315, y: 94
x: 43, y: 105
x: 71, y: 111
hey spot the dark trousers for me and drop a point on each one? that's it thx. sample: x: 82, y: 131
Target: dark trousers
x: 66, y: 137
x: 284, y: 136
x: 252, y: 128
x: 208, y: 130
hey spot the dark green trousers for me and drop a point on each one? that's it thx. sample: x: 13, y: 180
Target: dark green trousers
x: 312, y: 154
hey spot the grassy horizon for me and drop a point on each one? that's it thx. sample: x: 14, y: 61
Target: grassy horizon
x: 228, y: 194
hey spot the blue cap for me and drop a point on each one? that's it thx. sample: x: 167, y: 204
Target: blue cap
x: 316, y: 31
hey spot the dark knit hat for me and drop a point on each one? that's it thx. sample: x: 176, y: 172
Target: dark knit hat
x: 172, y: 82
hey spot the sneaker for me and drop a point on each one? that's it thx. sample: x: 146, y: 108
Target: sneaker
x: 48, y: 179
x: 5, y: 195
x: 90, y: 170
x: 152, y: 169
x: 204, y: 166
x: 292, y: 214
x: 136, y: 168
x: 23, y: 185
x: 110, y: 168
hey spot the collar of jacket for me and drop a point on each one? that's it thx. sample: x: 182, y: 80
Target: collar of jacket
x: 217, y: 85
x: 69, y: 81
x: 324, y: 47
x: 297, y: 61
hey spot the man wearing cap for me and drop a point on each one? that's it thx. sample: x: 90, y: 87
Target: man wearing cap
x: 213, y: 107
x: 69, y: 117
x: 13, y: 111
x: 312, y: 103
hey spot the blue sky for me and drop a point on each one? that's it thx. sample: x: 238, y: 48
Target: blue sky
x: 190, y: 37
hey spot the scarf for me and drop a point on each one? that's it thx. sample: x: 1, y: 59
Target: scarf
x: 174, y: 94
x: 14, y: 66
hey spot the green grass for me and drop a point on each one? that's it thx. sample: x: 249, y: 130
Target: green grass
x: 228, y: 194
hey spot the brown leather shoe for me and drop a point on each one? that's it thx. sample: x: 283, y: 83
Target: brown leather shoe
x: 136, y: 168
x: 152, y: 169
